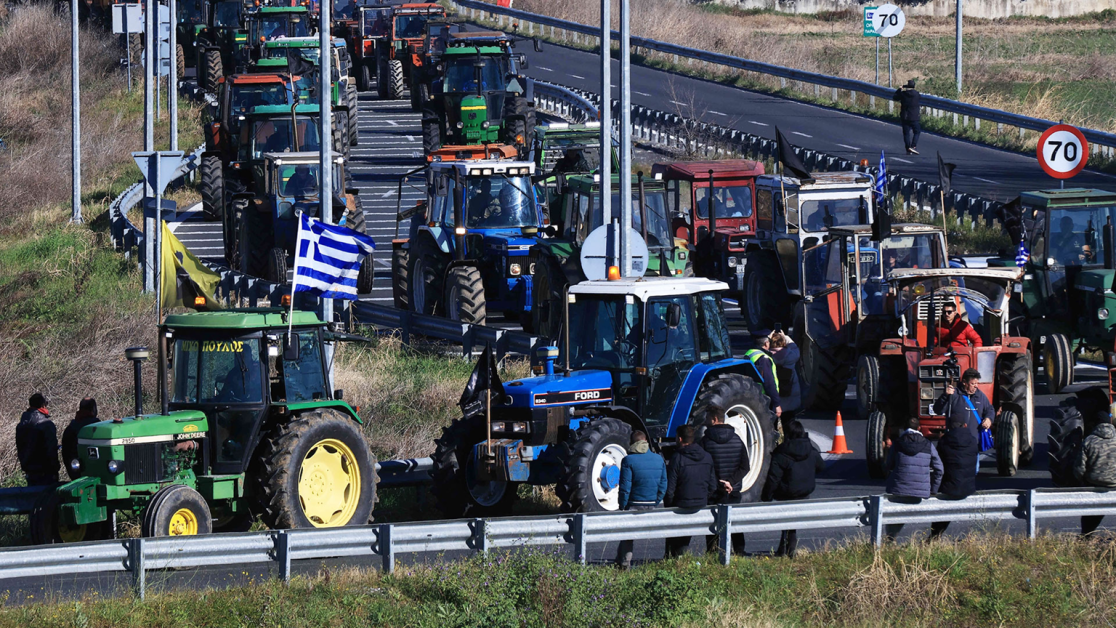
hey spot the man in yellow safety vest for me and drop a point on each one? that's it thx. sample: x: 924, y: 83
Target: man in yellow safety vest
x: 761, y: 359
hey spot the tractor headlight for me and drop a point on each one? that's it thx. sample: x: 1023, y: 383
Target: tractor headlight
x: 514, y: 270
x: 115, y: 466
x: 497, y: 426
x: 926, y: 392
x: 518, y: 426
x: 75, y: 465
x: 531, y: 268
x: 485, y: 124
x: 1102, y: 314
x: 460, y: 124
x: 732, y: 262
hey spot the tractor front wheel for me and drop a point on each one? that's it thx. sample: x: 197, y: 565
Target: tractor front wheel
x: 257, y: 239
x: 1067, y: 433
x: 1057, y: 360
x: 431, y: 132
x: 367, y: 275
x: 748, y: 410
x: 316, y: 471
x: 426, y: 275
x: 456, y: 488
x: 465, y: 295
x: 277, y: 266
x: 1007, y: 443
x: 400, y: 277
x: 353, y: 101
x: 176, y: 510
x: 1015, y: 390
x: 364, y: 77
x: 180, y: 61
x: 867, y: 385
x: 46, y: 528
x: 394, y: 78
x: 214, y: 70
x: 212, y: 185
x: 590, y: 479
x: 877, y: 446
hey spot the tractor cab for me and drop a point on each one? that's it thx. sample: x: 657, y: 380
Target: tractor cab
x: 273, y: 129
x: 189, y: 22
x: 269, y: 23
x: 240, y: 94
x: 275, y: 57
x: 220, y: 47
x: 408, y: 23
x: 719, y: 238
x: 917, y: 364
x: 561, y: 148
x: 646, y: 354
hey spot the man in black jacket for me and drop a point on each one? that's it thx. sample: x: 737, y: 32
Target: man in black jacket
x: 730, y: 463
x: 966, y: 404
x: 37, y: 443
x: 910, y: 115
x: 958, y: 450
x: 794, y: 464
x: 691, y: 481
x: 86, y: 415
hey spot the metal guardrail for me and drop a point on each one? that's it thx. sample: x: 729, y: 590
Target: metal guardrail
x: 385, y: 541
x: 124, y: 234
x: 872, y: 91
x: 564, y: 102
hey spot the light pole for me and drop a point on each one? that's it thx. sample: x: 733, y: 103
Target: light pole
x: 625, y: 139
x: 606, y: 117
x: 957, y: 62
x: 75, y: 126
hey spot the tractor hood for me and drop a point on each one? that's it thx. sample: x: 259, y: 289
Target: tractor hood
x: 149, y: 428
x: 578, y: 388
x: 1097, y: 279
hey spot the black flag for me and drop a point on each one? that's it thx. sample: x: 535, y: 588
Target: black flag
x: 484, y: 377
x: 945, y: 174
x: 299, y: 65
x: 788, y: 158
x: 1012, y: 219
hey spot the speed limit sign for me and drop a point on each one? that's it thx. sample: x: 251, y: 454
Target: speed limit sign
x: 888, y: 20
x: 1062, y: 151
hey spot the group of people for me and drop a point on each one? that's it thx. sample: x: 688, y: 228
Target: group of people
x: 37, y: 439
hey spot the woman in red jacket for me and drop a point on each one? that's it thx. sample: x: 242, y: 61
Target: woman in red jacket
x: 954, y: 332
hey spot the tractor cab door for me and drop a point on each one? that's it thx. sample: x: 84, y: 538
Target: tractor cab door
x: 300, y: 375
x: 827, y: 305
x: 671, y: 350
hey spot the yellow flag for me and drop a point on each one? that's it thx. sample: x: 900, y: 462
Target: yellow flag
x: 184, y: 277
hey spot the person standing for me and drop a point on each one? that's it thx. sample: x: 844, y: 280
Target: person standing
x: 966, y: 404
x: 957, y: 449
x: 691, y: 481
x: 37, y: 443
x: 910, y: 115
x: 785, y: 354
x: 86, y: 415
x: 730, y: 463
x: 915, y: 469
x: 1096, y: 465
x: 791, y: 476
x: 643, y: 484
x: 765, y: 366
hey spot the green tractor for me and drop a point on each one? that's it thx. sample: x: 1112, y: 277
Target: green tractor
x: 557, y: 257
x: 249, y: 426
x: 561, y: 148
x: 1066, y: 304
x: 220, y: 45
x: 189, y: 22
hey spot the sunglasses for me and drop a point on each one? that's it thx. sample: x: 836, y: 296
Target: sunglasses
x: 948, y: 312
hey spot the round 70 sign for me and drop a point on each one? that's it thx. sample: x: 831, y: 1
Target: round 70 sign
x: 1062, y: 151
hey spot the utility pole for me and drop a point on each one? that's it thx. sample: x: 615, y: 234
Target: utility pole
x: 325, y: 77
x: 625, y: 139
x: 957, y: 54
x: 150, y: 41
x: 75, y: 126
x: 172, y: 80
x: 606, y: 118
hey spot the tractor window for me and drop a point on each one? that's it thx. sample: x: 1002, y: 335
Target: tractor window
x: 217, y: 371
x: 604, y: 333
x: 190, y: 12
x: 227, y: 14
x: 584, y: 226
x: 822, y: 266
x: 730, y: 202
x: 304, y: 379
x: 410, y: 26
x: 298, y: 181
x: 658, y: 225
x: 374, y: 22
x: 274, y: 136
x: 500, y: 203
x: 670, y: 356
x: 765, y: 206
x: 247, y: 97
x: 715, y: 339
x: 820, y: 214
x: 461, y: 75
x: 1075, y: 235
x: 917, y: 251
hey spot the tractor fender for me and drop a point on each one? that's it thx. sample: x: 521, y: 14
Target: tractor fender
x: 627, y: 415
x: 1015, y: 345
x: 461, y: 263
x: 442, y: 237
x: 343, y: 406
x: 696, y: 378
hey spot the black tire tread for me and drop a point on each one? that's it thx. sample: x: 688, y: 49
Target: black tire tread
x: 471, y: 308
x: 212, y: 186
x: 396, y: 85
x: 400, y: 278
x: 451, y: 493
x: 573, y: 487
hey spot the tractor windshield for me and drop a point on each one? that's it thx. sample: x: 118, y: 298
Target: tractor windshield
x: 227, y: 14
x: 899, y: 251
x: 570, y: 155
x: 224, y: 370
x: 658, y: 227
x: 275, y: 26
x: 299, y: 181
x: 461, y: 75
x: 605, y: 332
x: 818, y: 214
x: 500, y: 203
x: 248, y: 97
x: 274, y: 136
x: 1075, y: 235
x: 409, y: 26
x: 190, y: 12
x: 730, y: 202
x: 373, y: 22
x: 979, y: 301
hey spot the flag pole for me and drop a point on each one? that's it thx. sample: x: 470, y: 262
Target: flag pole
x: 945, y: 230
x: 488, y: 413
x: 294, y: 281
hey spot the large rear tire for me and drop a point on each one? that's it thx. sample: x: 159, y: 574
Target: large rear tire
x: 364, y: 77
x: 1057, y: 360
x: 764, y: 302
x: 590, y: 479
x: 427, y: 274
x: 382, y: 79
x: 277, y: 266
x: 455, y: 489
x: 877, y: 445
x: 1015, y: 391
x: 212, y: 187
x: 1007, y: 443
x: 465, y: 296
x: 748, y: 411
x: 257, y: 238
x: 180, y: 61
x: 315, y: 471
x: 214, y: 70
x: 431, y: 132
x: 367, y: 275
x: 396, y: 85
x: 867, y: 385
x: 825, y: 372
x: 176, y: 510
x: 1067, y: 433
x: 400, y: 278
x: 547, y: 293
x: 354, y: 112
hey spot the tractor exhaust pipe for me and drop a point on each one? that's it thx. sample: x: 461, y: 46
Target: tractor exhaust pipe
x: 642, y: 206
x: 1108, y: 233
x: 712, y: 212
x: 138, y: 355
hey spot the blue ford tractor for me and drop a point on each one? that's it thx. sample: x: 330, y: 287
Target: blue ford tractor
x: 468, y: 243
x: 648, y: 354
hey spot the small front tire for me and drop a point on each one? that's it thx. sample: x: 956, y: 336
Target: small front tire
x: 176, y: 510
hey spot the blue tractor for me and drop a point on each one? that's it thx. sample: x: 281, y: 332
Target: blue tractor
x: 468, y: 243
x: 648, y: 354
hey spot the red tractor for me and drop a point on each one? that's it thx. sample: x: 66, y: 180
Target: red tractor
x: 914, y: 369
x: 403, y: 50
x: 366, y: 35
x: 718, y: 239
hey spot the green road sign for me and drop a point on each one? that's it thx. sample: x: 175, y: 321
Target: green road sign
x: 869, y: 28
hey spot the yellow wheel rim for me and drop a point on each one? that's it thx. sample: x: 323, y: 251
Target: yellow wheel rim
x: 329, y: 484
x: 71, y: 534
x: 183, y: 523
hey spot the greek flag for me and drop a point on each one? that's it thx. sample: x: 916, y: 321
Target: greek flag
x: 1022, y: 256
x: 881, y: 181
x: 327, y: 259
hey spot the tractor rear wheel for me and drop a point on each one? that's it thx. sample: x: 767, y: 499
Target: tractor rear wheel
x: 339, y: 131
x: 426, y: 275
x: 46, y: 527
x: 464, y: 299
x: 877, y: 446
x: 382, y: 79
x: 547, y: 293
x: 867, y: 385
x: 277, y: 266
x: 364, y: 77
x: 400, y: 282
x: 214, y: 70
x: 825, y: 372
x: 353, y: 101
x: 764, y: 303
x: 176, y: 510
x: 257, y: 237
x: 1007, y: 443
x: 431, y: 131
x: 1057, y: 360
x: 455, y: 487
x: 396, y: 86
x: 1015, y: 391
x: 1067, y: 433
x: 367, y: 275
x: 416, y: 94
x: 315, y: 471
x: 212, y: 187
x: 590, y: 480
x: 232, y: 222
x: 180, y: 61
x: 748, y: 410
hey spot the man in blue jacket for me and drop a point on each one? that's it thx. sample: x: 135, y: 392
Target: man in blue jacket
x: 643, y: 483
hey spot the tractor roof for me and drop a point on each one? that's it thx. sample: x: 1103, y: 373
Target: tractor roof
x: 644, y: 288
x: 899, y: 229
x: 241, y: 318
x: 1068, y: 197
x: 587, y: 181
x: 256, y: 79
x: 1005, y: 274
x: 303, y: 157
x: 272, y: 110
x: 279, y: 10
x: 699, y: 170
x: 419, y: 9
x: 471, y: 35
x: 473, y: 153
x: 823, y: 180
x: 458, y: 50
x: 487, y: 167
x: 302, y: 42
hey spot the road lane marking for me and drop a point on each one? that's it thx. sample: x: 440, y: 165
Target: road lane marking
x: 802, y: 134
x: 849, y: 147
x: 758, y: 123
x: 387, y: 194
x: 578, y: 77
x: 393, y: 123
x: 987, y: 181
x: 545, y: 69
x: 902, y: 160
x: 644, y: 94
x: 718, y: 113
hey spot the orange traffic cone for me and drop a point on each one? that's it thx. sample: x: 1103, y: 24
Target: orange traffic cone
x: 839, y: 444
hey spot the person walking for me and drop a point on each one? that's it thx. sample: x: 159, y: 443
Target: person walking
x: 643, y: 484
x: 915, y: 469
x: 795, y: 464
x: 1096, y: 465
x: 37, y: 443
x: 691, y: 481
x: 760, y: 357
x: 910, y: 115
x: 957, y: 449
x: 86, y: 415
x: 785, y: 354
x: 730, y: 463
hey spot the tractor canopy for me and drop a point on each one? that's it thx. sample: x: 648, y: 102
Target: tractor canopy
x: 498, y: 195
x: 827, y: 199
x: 268, y: 129
x: 980, y: 295
x: 269, y: 23
x: 409, y: 21
x: 292, y: 184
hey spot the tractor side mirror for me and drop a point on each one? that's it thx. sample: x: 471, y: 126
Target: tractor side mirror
x: 673, y: 315
x: 440, y: 187
x: 521, y: 59
x: 538, y: 45
x: 290, y: 351
x: 339, y: 394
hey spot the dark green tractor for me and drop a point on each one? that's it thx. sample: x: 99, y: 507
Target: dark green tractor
x: 220, y: 45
